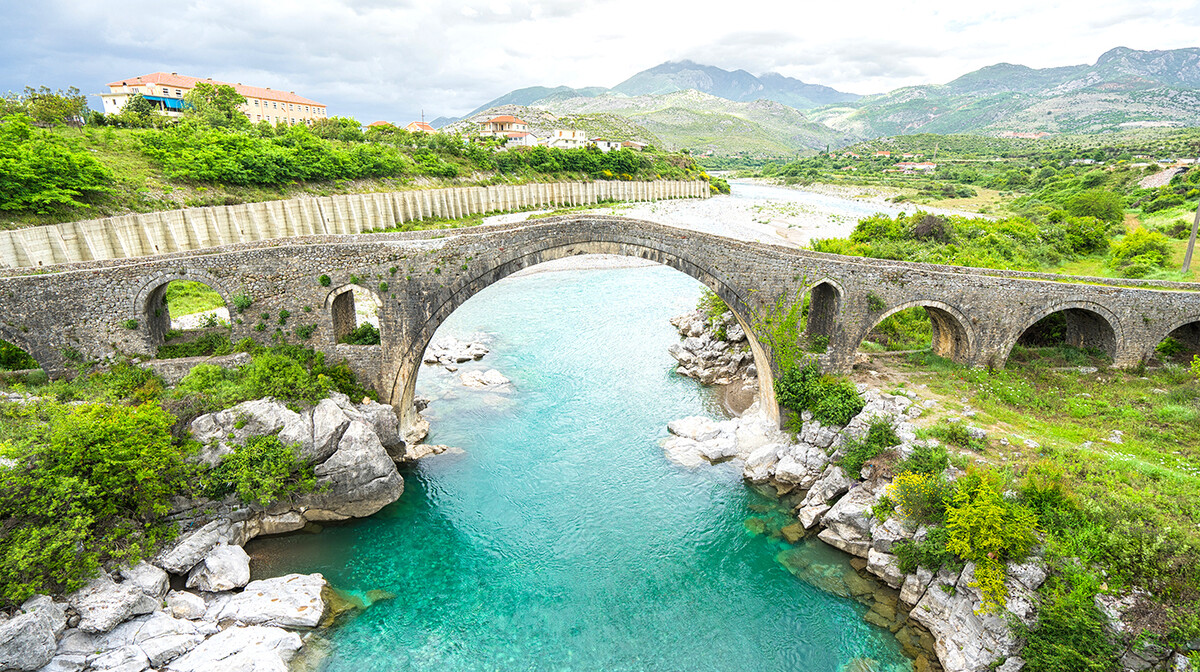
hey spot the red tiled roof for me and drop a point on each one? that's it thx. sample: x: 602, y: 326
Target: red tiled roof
x: 506, y: 119
x: 171, y: 79
x: 379, y: 123
x: 423, y: 126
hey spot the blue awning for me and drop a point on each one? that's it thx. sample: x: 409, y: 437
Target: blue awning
x: 169, y: 103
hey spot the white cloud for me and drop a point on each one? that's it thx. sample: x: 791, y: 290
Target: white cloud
x: 381, y: 59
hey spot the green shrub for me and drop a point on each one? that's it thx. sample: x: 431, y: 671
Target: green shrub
x: 879, y: 438
x: 305, y: 332
x: 956, y: 434
x: 365, y: 334
x: 832, y: 401
x: 1086, y: 235
x: 1071, y: 633
x: 241, y: 302
x: 1103, y: 205
x: 1140, y: 248
x: 89, y: 486
x: 210, y: 344
x: 988, y: 530
x: 930, y: 552
x: 263, y: 471
x: 874, y: 303
x: 921, y: 497
x: 383, y: 286
x: 926, y: 459
x: 324, y: 280
x: 45, y: 173
x: 130, y: 324
x: 273, y: 375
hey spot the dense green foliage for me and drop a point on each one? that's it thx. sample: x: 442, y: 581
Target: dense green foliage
x: 91, y: 468
x: 262, y: 471
x: 46, y: 107
x: 207, y: 345
x: 87, y: 485
x: 44, y: 172
x: 365, y: 334
x: 832, y: 401
x: 880, y: 437
x: 1012, y: 243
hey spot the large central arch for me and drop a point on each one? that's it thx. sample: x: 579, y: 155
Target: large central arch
x: 401, y: 384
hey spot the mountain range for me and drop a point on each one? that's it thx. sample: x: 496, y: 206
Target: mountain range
x: 706, y: 108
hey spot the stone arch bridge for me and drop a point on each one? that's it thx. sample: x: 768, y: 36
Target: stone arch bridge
x: 93, y: 310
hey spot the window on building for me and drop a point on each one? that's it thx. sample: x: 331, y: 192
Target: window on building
x: 256, y: 103
x: 291, y: 107
x: 179, y: 92
x: 166, y: 92
x: 274, y: 105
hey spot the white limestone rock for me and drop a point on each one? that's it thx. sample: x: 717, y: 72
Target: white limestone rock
x: 915, y: 585
x: 329, y: 423
x: 151, y: 580
x: 27, y: 641
x: 103, y: 604
x: 695, y: 427
x: 191, y: 547
x: 183, y: 604
x: 885, y: 535
x: 225, y: 567
x: 885, y: 566
x: 484, y: 379
x: 811, y: 515
x: 966, y: 638
x: 356, y: 481
x: 848, y: 522
x: 216, y: 432
x: 684, y: 452
x: 833, y: 482
x: 125, y: 659
x: 801, y: 465
x: 252, y: 648
x: 291, y: 601
x: 760, y: 464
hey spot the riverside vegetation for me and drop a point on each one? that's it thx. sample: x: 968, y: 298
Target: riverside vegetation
x: 1097, y: 472
x: 90, y: 466
x: 138, y: 162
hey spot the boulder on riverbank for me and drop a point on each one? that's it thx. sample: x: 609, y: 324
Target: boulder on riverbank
x: 716, y: 351
x: 449, y: 352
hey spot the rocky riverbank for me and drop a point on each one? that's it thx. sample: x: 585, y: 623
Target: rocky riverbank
x: 938, y: 618
x: 216, y: 618
x: 715, y: 351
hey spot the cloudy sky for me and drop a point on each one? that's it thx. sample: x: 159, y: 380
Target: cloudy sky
x: 380, y: 59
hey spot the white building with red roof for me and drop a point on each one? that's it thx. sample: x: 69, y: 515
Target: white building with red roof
x: 502, y: 125
x: 165, y: 91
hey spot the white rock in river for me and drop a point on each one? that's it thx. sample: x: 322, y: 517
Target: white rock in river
x: 291, y: 601
x: 224, y: 568
x: 252, y: 648
x: 359, y: 479
x: 684, y: 451
x: 482, y: 379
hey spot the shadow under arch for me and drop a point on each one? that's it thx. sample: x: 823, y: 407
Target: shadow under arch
x: 16, y: 338
x: 402, y: 384
x: 341, y: 306
x: 1088, y: 325
x: 950, y: 336
x: 826, y: 299
x: 1186, y: 331
x: 148, y: 307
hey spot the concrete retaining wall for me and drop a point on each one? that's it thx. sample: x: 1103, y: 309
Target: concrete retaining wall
x: 198, y: 228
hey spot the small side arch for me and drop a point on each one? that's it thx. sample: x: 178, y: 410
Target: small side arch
x: 950, y: 336
x: 342, y: 305
x: 147, y: 306
x: 825, y: 304
x: 16, y: 338
x: 1088, y: 325
x: 1186, y: 333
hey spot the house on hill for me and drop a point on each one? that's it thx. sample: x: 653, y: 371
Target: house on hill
x: 911, y: 167
x: 520, y: 139
x: 419, y: 127
x: 634, y: 145
x: 886, y: 155
x: 165, y: 92
x: 567, y: 139
x: 502, y: 125
x: 378, y: 124
x: 603, y: 145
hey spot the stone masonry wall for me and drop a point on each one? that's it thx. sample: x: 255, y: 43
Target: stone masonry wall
x: 94, y: 310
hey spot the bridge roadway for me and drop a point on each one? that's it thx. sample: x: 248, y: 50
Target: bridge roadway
x: 98, y: 309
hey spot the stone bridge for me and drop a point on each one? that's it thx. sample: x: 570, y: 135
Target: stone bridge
x: 99, y: 309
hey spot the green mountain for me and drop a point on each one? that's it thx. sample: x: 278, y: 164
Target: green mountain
x: 1125, y: 88
x: 703, y: 123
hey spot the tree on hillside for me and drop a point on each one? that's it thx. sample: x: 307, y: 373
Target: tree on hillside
x: 48, y: 107
x: 216, y: 105
x: 1103, y: 205
x: 137, y: 112
x: 338, y: 128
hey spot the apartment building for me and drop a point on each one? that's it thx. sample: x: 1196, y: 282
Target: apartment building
x: 165, y: 92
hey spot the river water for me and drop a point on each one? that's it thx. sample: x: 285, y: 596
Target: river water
x: 562, y: 538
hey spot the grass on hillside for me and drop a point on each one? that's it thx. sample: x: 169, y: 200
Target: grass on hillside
x: 188, y: 298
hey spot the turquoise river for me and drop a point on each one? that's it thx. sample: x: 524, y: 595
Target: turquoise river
x: 562, y: 538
